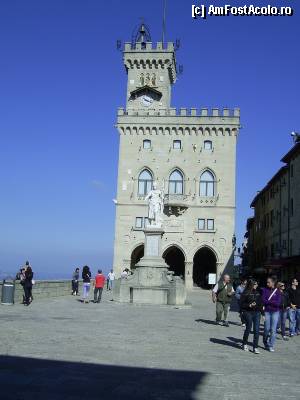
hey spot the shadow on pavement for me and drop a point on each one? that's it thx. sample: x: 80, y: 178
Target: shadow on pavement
x: 206, y: 321
x: 225, y: 343
x: 234, y: 323
x: 29, y: 378
x: 235, y: 340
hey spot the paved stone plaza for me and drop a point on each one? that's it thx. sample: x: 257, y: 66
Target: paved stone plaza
x: 63, y: 349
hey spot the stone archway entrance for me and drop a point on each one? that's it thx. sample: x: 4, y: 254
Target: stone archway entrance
x: 205, y: 263
x: 175, y: 259
x: 136, y: 255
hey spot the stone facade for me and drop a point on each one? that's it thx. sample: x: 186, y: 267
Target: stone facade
x: 274, y: 232
x: 158, y: 139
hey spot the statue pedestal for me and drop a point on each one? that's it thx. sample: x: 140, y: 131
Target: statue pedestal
x: 152, y: 268
x: 151, y: 283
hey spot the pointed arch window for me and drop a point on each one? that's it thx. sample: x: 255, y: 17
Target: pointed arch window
x: 176, y: 182
x: 145, y: 182
x: 207, y: 184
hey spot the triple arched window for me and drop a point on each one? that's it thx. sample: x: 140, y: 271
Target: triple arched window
x: 145, y: 182
x: 176, y: 182
x: 207, y: 184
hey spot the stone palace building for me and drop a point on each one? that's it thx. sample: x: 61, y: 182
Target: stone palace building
x: 273, y: 233
x: 191, y: 153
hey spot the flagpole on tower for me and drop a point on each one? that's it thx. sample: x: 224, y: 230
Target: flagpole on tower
x: 164, y: 21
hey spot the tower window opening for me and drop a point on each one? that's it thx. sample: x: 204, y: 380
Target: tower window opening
x: 208, y: 145
x: 147, y: 144
x: 177, y: 144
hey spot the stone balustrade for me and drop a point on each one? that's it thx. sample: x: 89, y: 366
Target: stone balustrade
x: 44, y: 289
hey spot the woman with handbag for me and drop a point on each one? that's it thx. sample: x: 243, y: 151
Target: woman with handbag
x: 271, y: 297
x: 251, y: 309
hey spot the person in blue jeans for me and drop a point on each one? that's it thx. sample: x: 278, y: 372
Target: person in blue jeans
x: 294, y: 311
x: 271, y: 298
x: 238, y: 293
x: 251, y: 309
x: 284, y: 309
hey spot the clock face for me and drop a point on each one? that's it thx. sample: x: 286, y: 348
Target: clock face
x: 146, y: 100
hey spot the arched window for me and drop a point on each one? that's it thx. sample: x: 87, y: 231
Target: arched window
x: 207, y: 184
x: 145, y: 182
x: 207, y: 145
x: 176, y: 182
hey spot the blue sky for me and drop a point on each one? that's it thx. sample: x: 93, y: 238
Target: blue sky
x: 61, y: 81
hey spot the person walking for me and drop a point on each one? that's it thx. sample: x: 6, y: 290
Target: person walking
x: 98, y: 286
x: 222, y: 296
x: 271, y: 298
x: 284, y: 308
x: 22, y: 281
x: 86, y: 278
x: 111, y: 277
x: 107, y: 282
x: 28, y: 286
x: 294, y: 311
x: 75, y: 282
x: 251, y: 308
x: 238, y: 293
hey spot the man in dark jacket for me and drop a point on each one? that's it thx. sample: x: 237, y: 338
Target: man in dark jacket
x: 285, y: 305
x: 222, y: 296
x: 294, y: 311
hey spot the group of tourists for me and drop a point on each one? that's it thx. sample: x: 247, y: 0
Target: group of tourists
x: 25, y: 276
x: 98, y: 283
x: 275, y: 304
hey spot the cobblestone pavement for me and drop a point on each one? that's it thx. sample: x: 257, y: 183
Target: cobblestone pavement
x: 63, y: 349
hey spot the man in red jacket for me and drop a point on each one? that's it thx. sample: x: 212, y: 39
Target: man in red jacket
x: 98, y: 286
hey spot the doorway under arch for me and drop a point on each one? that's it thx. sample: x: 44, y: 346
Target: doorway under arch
x: 175, y: 259
x: 205, y: 262
x: 136, y: 255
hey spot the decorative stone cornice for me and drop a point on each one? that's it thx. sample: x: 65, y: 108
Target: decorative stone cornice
x: 178, y: 130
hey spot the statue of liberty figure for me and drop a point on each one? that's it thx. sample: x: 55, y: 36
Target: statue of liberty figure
x: 155, y: 206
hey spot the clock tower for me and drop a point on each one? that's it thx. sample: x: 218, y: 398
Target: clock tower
x: 189, y: 153
x: 151, y: 72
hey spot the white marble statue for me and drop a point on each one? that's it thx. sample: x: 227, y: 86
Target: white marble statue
x: 155, y: 200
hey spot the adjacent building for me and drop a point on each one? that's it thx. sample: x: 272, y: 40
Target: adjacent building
x: 190, y: 153
x: 273, y: 234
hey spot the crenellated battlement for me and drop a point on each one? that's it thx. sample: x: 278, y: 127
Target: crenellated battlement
x: 149, y: 46
x: 181, y: 112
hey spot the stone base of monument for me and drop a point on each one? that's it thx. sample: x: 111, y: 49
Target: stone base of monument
x: 151, y: 282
